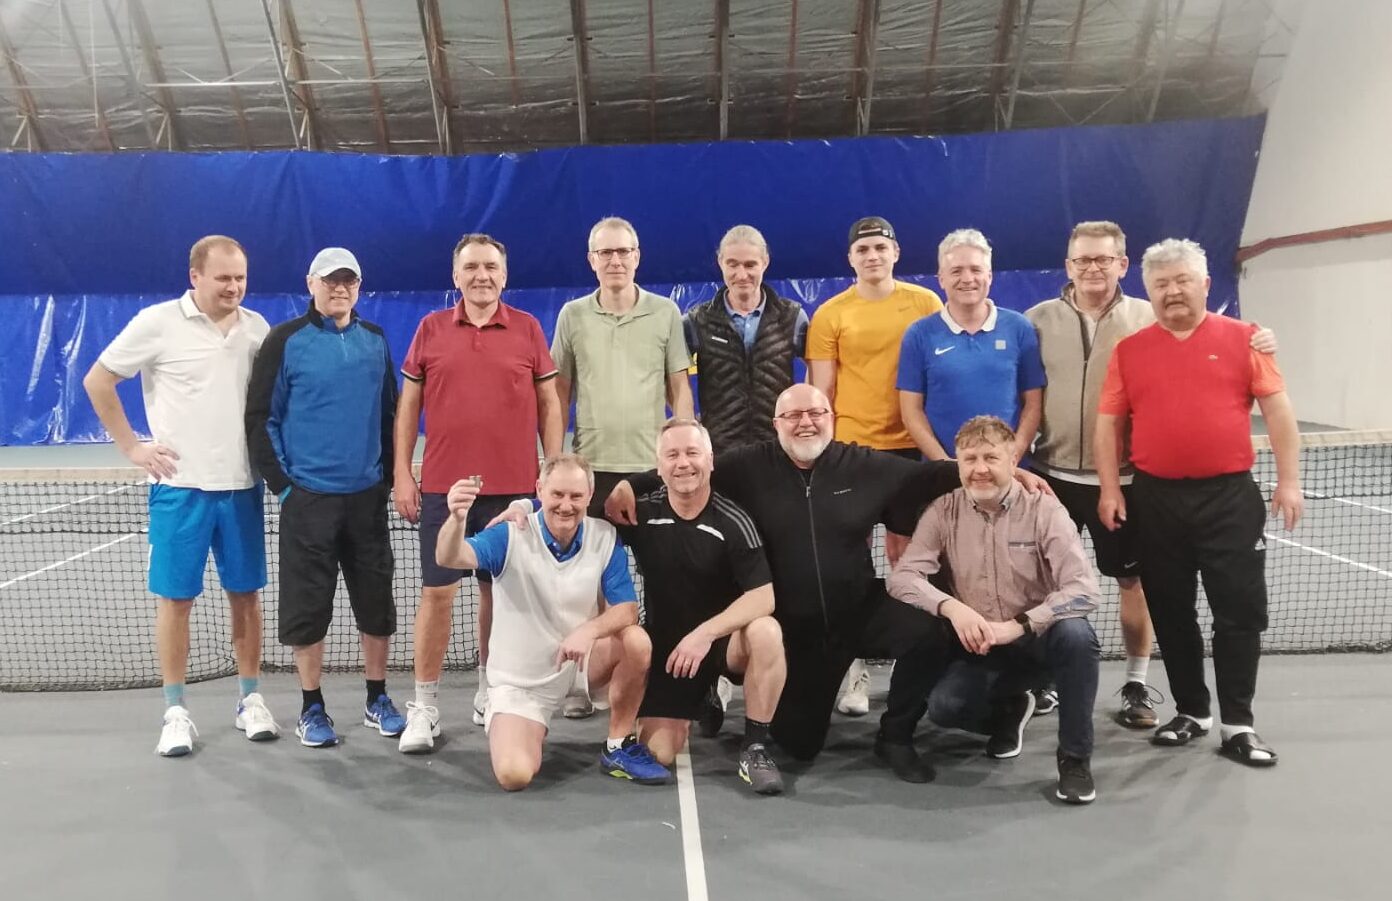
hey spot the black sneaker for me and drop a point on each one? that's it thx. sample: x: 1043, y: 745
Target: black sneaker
x: 1007, y: 725
x: 1138, y: 702
x: 757, y: 768
x: 1045, y: 701
x: 904, y: 761
x: 1075, y: 785
x: 711, y: 715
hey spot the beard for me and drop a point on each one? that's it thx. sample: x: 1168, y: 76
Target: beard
x: 805, y: 450
x: 986, y: 494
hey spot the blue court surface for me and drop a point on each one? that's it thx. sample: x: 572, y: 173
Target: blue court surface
x: 92, y: 812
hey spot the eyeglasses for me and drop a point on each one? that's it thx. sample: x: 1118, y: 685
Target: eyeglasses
x: 341, y: 281
x: 1103, y: 263
x: 609, y: 253
x: 816, y: 414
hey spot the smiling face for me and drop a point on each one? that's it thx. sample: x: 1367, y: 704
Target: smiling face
x: 684, y: 460
x: 1178, y: 294
x: 335, y: 294
x: 564, y: 494
x: 1095, y: 266
x: 220, y: 286
x: 965, y: 275
x: 742, y: 265
x: 804, y: 423
x: 986, y: 467
x: 480, y: 274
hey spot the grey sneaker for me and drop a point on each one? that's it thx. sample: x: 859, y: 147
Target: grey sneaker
x: 758, y: 769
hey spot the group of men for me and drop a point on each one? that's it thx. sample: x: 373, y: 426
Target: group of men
x: 916, y: 415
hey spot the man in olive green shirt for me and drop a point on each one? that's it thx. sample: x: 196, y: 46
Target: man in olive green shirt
x: 621, y: 356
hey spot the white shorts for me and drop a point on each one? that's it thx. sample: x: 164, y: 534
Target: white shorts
x: 540, y: 704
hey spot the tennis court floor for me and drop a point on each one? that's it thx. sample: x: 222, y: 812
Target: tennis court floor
x: 92, y: 812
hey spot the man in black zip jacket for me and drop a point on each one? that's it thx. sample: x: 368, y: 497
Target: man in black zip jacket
x: 815, y: 501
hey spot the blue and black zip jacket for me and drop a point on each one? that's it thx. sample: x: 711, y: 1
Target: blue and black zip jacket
x: 320, y: 406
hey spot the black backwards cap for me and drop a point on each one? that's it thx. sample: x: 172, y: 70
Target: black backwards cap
x: 871, y: 227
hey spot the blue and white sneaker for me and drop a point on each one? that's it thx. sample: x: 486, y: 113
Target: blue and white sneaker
x: 315, y: 728
x: 633, y: 761
x: 383, y: 716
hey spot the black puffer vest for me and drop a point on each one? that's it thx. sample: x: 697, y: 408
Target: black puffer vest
x: 737, y: 390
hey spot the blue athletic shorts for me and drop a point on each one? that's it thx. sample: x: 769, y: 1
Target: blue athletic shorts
x: 186, y: 523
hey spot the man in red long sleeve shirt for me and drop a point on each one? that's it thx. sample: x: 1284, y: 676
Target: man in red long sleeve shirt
x: 1186, y: 386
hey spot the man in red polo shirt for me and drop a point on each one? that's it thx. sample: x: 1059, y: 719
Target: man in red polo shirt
x: 1185, y: 385
x: 484, y: 374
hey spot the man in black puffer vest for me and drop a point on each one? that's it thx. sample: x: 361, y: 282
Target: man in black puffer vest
x: 745, y: 340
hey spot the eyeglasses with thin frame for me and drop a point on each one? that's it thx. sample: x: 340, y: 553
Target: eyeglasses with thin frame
x: 334, y: 280
x: 793, y: 417
x: 609, y: 253
x: 1103, y: 263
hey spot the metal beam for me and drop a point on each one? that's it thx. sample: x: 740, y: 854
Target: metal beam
x: 866, y: 53
x: 1171, y: 31
x: 1019, y: 67
x: 441, y: 100
x: 1213, y: 37
x: 379, y: 111
x: 932, y: 64
x: 103, y: 125
x: 294, y: 48
x: 722, y: 47
x: 1005, y: 31
x: 280, y: 70
x: 512, y: 50
x: 1075, y: 32
x: 652, y: 74
x: 29, y: 111
x: 132, y: 82
x: 790, y: 112
x: 1146, y: 32
x: 582, y: 66
x: 140, y: 21
x: 237, y: 106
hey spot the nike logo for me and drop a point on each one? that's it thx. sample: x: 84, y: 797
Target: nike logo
x: 939, y: 351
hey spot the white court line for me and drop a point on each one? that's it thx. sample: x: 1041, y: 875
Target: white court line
x: 1317, y: 552
x: 81, y: 500
x: 78, y: 556
x: 1316, y: 496
x: 691, y: 830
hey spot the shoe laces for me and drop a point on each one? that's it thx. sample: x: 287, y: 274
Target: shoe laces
x: 861, y: 682
x: 317, y: 716
x: 180, y: 719
x: 634, y: 750
x: 756, y: 757
x: 383, y: 707
x: 254, y: 708
x: 414, y: 711
x: 1139, y: 694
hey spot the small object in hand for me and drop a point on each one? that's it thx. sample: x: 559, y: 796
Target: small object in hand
x: 478, y: 481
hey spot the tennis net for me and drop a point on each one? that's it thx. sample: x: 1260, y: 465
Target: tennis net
x: 75, y: 613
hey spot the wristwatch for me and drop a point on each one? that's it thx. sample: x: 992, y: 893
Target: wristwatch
x: 1025, y: 623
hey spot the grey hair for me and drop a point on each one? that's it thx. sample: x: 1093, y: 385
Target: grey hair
x: 1175, y: 250
x: 612, y: 222
x: 556, y: 462
x: 743, y: 234
x: 677, y: 422
x: 964, y: 237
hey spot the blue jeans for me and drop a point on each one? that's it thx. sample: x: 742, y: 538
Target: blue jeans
x: 967, y: 684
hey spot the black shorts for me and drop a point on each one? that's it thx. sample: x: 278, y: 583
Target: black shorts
x: 319, y: 534
x: 604, y: 483
x: 668, y: 697
x: 433, y: 512
x: 1116, y: 552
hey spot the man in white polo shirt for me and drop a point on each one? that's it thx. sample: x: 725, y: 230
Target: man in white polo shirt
x: 194, y: 357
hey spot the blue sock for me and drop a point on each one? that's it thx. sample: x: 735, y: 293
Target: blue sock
x: 174, y: 695
x: 247, y: 686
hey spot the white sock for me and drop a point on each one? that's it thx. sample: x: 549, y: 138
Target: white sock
x: 613, y: 744
x: 1229, y: 732
x: 1136, y: 668
x: 1205, y: 722
x: 428, y: 694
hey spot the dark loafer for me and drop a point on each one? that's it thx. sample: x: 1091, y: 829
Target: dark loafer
x: 1248, y: 748
x: 1179, y: 731
x: 904, y: 761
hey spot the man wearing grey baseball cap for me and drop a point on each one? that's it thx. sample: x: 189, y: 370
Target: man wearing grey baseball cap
x: 320, y: 410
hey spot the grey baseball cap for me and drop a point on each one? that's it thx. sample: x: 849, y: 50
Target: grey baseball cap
x: 332, y: 259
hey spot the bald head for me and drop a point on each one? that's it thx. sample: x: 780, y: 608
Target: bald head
x: 801, y: 397
x: 802, y: 417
